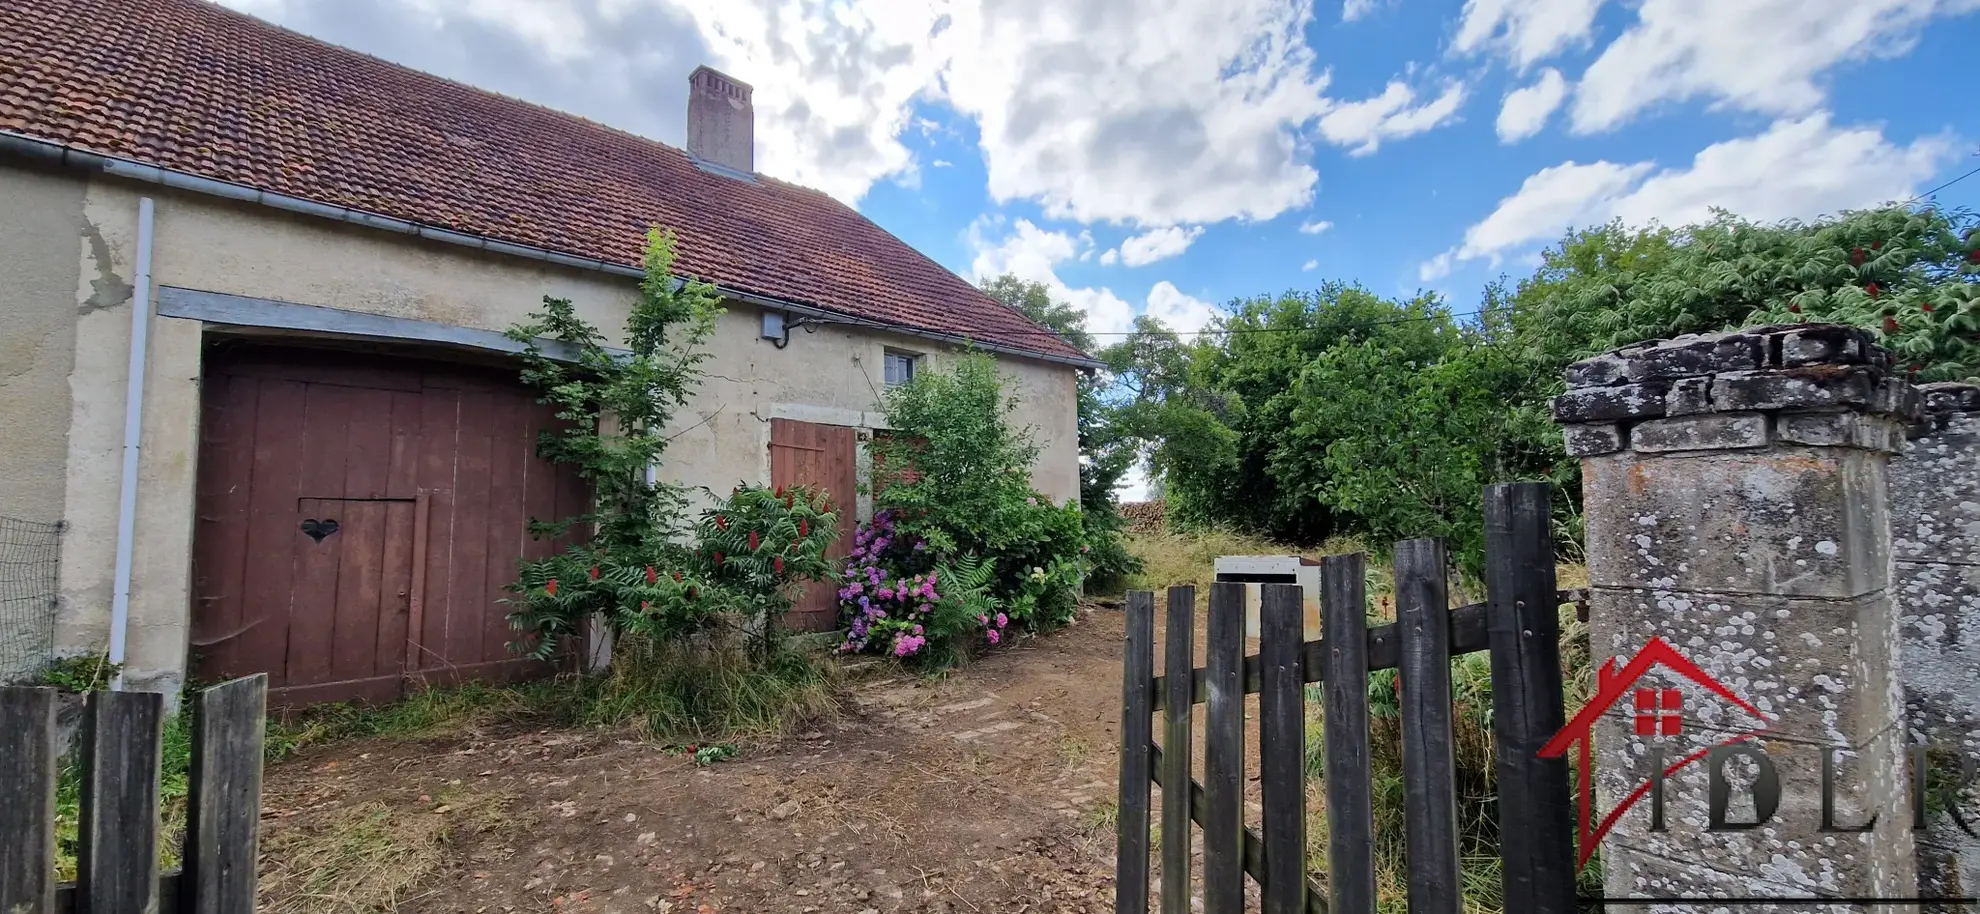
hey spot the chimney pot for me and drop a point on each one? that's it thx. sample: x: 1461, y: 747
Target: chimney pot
x: 721, y: 126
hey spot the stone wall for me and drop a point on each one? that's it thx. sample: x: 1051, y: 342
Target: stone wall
x: 1935, y: 546
x: 1736, y: 507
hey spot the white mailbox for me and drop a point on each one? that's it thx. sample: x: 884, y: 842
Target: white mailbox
x: 1253, y: 570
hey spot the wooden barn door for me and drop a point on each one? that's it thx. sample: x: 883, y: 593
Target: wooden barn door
x: 359, y: 517
x: 824, y: 458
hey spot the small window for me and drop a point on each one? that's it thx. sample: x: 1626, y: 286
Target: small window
x: 900, y: 367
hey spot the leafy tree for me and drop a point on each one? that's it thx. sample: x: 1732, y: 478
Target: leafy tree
x: 1106, y: 450
x: 1035, y: 301
x: 1910, y: 274
x: 643, y: 568
x: 614, y: 407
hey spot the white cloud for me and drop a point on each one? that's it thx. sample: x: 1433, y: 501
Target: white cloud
x: 1753, y: 55
x: 1033, y: 254
x: 1153, y: 245
x: 1436, y: 267
x: 1526, y: 31
x: 1352, y: 10
x: 1153, y: 113
x: 1315, y: 227
x: 1362, y: 126
x: 1796, y: 168
x: 833, y: 81
x: 1177, y: 311
x: 1135, y: 484
x: 1309, y: 266
x: 1527, y: 109
x: 941, y: 163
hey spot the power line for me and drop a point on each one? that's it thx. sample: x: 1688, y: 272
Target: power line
x: 1359, y: 325
x: 1941, y: 187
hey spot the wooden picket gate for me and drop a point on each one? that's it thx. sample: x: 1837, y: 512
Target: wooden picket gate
x: 1517, y: 624
x: 117, y: 855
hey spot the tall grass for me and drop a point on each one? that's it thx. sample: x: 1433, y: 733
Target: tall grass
x: 1188, y: 557
x: 1474, y: 752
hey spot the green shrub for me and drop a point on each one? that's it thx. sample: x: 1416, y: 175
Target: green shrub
x: 955, y: 506
x: 749, y: 554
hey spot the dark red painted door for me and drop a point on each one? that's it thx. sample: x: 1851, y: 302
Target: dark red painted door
x: 825, y: 458
x: 359, y: 517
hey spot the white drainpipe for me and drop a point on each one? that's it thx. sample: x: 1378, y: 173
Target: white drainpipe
x: 120, y: 600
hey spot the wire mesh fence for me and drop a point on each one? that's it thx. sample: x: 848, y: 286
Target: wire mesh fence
x: 30, y: 562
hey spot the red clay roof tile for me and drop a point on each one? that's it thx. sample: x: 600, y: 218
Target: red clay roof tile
x: 194, y: 87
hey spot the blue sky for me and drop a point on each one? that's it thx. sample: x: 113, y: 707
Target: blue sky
x: 1165, y: 156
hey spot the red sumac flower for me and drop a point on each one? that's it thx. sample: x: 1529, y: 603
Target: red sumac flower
x: 653, y: 577
x: 594, y: 572
x: 550, y: 587
x: 752, y: 541
x: 1890, y: 325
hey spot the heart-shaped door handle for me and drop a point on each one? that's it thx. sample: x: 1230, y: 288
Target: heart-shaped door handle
x: 318, y: 529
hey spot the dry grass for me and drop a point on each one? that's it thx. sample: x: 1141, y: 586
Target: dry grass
x: 370, y: 857
x: 1174, y: 559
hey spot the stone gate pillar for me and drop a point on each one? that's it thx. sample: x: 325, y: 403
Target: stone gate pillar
x: 1735, y: 489
x: 1935, y: 542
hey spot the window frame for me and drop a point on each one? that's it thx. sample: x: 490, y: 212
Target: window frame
x: 887, y: 357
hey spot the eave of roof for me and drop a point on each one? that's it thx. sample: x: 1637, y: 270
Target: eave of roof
x: 37, y: 149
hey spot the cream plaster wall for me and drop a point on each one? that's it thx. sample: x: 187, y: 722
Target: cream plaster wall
x: 832, y: 375
x: 39, y: 233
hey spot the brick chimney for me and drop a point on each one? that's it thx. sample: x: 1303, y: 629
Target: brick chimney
x: 721, y: 127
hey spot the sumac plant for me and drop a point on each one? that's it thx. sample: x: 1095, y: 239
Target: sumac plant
x: 749, y: 554
x: 613, y: 408
x: 760, y: 546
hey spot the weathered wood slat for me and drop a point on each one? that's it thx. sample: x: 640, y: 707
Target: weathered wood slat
x: 1536, y: 825
x: 117, y: 852
x: 1467, y: 636
x: 1179, y: 653
x: 1254, y: 846
x: 1223, y: 753
x: 1282, y: 745
x: 27, y: 799
x: 223, y: 799
x: 169, y: 892
x: 1137, y: 738
x: 1350, y: 791
x: 1424, y: 683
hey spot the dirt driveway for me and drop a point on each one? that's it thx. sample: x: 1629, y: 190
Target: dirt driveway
x: 991, y: 790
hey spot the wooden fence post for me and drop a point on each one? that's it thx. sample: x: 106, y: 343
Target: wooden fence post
x: 1223, y: 753
x: 1282, y: 742
x: 1137, y: 733
x: 223, y: 799
x: 117, y: 852
x: 1424, y: 675
x: 1536, y: 828
x: 1178, y: 658
x: 1350, y: 791
x: 27, y: 800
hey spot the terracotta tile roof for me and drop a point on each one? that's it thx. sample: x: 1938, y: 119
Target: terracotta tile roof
x: 194, y: 87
